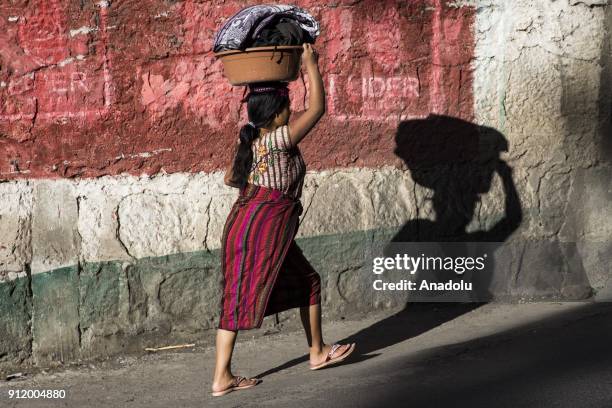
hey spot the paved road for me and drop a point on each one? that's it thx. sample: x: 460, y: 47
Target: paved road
x: 445, y: 355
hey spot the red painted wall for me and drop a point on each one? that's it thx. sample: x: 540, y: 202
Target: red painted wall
x: 96, y: 89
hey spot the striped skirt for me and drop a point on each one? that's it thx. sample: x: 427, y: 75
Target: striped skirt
x: 264, y: 271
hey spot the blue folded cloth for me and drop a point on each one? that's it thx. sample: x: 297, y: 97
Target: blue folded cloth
x: 244, y: 27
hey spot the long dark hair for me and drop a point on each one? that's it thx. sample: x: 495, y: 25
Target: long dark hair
x: 262, y: 107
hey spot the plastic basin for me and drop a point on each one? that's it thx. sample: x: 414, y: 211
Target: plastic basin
x: 262, y: 64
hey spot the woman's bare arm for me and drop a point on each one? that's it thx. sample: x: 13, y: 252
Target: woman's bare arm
x: 316, y: 98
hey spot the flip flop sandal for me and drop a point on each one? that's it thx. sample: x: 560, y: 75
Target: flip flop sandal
x: 329, y: 360
x: 235, y: 385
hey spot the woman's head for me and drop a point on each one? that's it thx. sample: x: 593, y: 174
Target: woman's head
x: 268, y: 104
x: 267, y: 107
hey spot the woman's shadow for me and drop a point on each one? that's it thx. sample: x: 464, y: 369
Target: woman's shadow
x: 456, y: 159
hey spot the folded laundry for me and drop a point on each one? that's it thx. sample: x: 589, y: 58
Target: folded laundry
x: 244, y: 28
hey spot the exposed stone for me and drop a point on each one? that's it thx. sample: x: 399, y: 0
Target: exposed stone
x: 55, y: 238
x: 15, y: 314
x: 154, y: 225
x: 15, y: 229
x: 55, y: 316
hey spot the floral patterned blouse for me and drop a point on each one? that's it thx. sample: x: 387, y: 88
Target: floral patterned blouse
x: 277, y: 164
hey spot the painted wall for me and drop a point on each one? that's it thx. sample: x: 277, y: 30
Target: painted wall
x: 93, y: 92
x: 116, y: 125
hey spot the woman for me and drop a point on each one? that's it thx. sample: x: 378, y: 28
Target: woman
x: 264, y: 270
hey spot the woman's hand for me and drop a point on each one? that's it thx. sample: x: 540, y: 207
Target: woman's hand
x: 309, y: 56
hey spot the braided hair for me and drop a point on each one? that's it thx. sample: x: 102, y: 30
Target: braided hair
x: 264, y: 102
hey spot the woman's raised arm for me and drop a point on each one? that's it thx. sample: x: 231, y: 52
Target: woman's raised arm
x: 316, y: 99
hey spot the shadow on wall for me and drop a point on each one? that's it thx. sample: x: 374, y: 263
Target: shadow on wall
x: 457, y: 160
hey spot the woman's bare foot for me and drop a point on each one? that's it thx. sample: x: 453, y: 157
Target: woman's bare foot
x: 320, y: 357
x: 230, y: 382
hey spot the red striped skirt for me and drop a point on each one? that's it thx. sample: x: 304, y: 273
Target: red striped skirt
x: 264, y: 271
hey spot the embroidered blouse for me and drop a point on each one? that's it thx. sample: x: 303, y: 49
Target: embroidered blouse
x: 277, y: 164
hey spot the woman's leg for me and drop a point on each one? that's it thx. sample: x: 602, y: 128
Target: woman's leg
x: 311, y: 320
x: 226, y: 339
